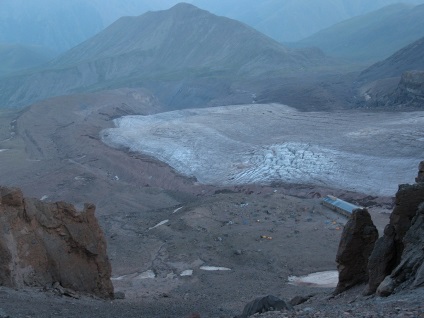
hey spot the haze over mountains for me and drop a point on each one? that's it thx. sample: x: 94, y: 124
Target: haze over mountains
x: 60, y: 25
x: 373, y: 36
x: 164, y: 48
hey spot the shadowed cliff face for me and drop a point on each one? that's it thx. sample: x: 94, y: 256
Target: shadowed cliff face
x: 44, y: 243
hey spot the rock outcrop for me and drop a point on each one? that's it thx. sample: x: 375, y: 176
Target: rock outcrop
x: 264, y: 304
x: 410, y: 272
x: 356, y: 244
x: 410, y: 90
x: 44, y: 243
x: 394, y: 250
x: 420, y: 177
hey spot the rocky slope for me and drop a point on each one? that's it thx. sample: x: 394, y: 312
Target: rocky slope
x: 371, y: 37
x: 396, y: 81
x: 185, y: 55
x: 42, y: 244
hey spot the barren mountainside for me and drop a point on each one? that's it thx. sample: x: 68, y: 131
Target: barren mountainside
x: 373, y: 36
x: 172, y: 46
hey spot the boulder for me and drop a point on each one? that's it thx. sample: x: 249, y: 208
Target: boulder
x: 356, y: 244
x: 45, y: 243
x: 264, y: 304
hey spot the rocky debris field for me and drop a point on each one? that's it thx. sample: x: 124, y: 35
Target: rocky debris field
x: 178, y: 247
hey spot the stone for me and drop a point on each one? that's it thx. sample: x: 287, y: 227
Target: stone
x: 410, y: 271
x: 119, y: 295
x: 264, y: 304
x: 382, y: 259
x: 42, y: 243
x: 389, y: 250
x: 408, y: 197
x: 356, y: 244
x: 297, y: 300
x: 386, y: 287
x: 420, y: 177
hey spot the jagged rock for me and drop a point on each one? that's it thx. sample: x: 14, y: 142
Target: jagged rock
x: 43, y: 243
x: 264, y: 304
x: 420, y: 177
x: 390, y: 250
x: 407, y: 200
x: 356, y: 244
x: 410, y: 272
x: 382, y: 259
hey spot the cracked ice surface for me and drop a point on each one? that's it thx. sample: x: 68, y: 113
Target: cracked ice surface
x: 364, y: 152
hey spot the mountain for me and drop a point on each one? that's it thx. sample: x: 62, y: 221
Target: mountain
x: 60, y: 25
x: 293, y: 20
x: 177, y: 46
x: 396, y: 81
x: 373, y: 36
x: 408, y: 58
x: 17, y: 57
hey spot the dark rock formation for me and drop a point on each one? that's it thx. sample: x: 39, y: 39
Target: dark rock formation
x: 390, y: 250
x: 264, y: 304
x: 410, y: 272
x: 408, y: 198
x: 382, y: 259
x: 356, y: 244
x: 420, y: 177
x: 45, y: 243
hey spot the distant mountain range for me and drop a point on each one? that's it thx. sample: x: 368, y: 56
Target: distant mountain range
x: 171, y: 52
x: 60, y: 25
x: 373, y: 36
x: 293, y: 20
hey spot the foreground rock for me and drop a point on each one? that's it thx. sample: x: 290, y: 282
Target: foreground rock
x: 420, y: 177
x: 265, y: 304
x: 46, y: 243
x: 390, y: 250
x: 356, y: 244
x: 410, y: 272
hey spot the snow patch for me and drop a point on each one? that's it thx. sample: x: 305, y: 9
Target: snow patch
x: 146, y: 275
x: 327, y: 279
x: 159, y: 224
x: 188, y: 272
x: 214, y: 268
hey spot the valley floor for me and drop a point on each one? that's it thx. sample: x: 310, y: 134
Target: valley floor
x: 160, y: 224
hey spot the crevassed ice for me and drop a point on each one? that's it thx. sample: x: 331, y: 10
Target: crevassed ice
x: 229, y: 146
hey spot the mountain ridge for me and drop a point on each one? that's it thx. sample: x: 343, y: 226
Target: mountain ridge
x: 172, y: 46
x: 373, y: 36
